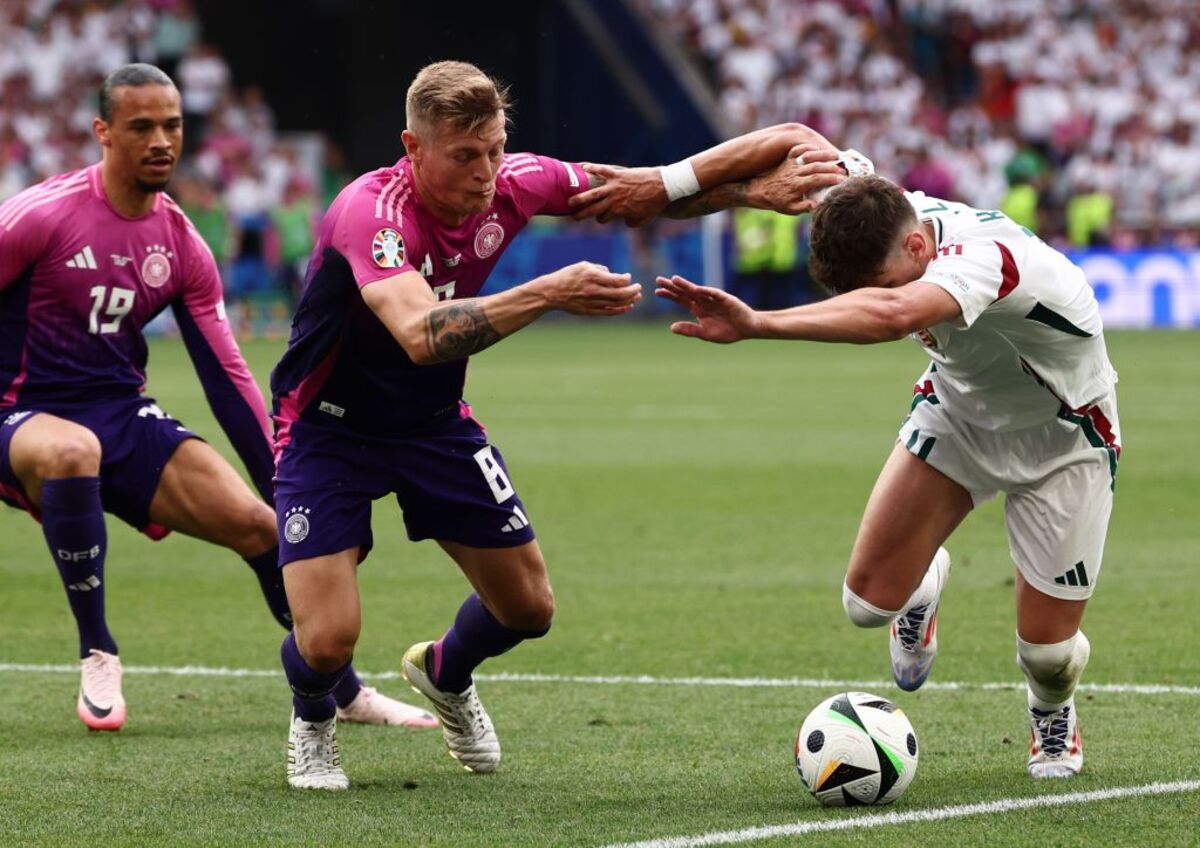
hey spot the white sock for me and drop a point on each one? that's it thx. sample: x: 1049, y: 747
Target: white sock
x: 1052, y: 671
x: 930, y: 588
x: 865, y: 614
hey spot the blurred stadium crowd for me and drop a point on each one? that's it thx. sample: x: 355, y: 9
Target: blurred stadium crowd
x: 1077, y: 117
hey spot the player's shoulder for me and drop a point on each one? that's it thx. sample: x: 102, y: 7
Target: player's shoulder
x: 378, y: 200
x: 515, y: 165
x: 47, y: 201
x: 529, y: 170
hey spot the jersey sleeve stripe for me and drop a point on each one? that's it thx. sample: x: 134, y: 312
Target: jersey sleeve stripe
x: 383, y: 195
x: 1011, y: 277
x: 398, y: 205
x: 529, y: 169
x: 520, y: 160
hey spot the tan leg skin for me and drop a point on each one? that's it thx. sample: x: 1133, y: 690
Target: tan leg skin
x: 326, y: 610
x: 912, y: 510
x: 511, y: 582
x: 49, y: 448
x: 1043, y: 620
x: 201, y: 495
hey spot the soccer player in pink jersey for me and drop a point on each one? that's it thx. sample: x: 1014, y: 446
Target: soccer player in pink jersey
x: 1019, y: 395
x: 86, y: 260
x: 368, y: 401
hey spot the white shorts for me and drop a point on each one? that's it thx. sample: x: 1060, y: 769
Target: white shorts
x: 1058, y: 478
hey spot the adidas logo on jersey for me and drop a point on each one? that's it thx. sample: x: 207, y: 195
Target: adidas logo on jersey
x: 1077, y: 576
x: 517, y: 522
x: 83, y: 259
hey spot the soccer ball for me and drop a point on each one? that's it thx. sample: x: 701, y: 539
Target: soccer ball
x: 854, y: 749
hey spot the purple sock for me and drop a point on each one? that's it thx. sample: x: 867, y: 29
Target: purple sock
x: 310, y: 688
x: 270, y: 580
x: 347, y: 688
x: 73, y: 524
x: 475, y: 636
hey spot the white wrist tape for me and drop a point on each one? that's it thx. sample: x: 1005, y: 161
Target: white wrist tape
x: 679, y: 179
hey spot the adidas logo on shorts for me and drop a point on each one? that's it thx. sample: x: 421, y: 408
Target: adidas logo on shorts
x: 516, y: 522
x: 1077, y: 576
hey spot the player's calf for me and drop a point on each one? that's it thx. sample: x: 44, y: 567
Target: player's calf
x: 1051, y: 674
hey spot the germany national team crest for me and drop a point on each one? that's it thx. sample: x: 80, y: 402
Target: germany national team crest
x: 388, y: 249
x: 489, y: 238
x: 156, y: 267
x: 295, y: 524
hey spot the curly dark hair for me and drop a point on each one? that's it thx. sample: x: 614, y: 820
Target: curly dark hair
x: 854, y: 230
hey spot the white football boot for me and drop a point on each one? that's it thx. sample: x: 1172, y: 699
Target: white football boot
x: 314, y: 761
x: 1055, y: 743
x: 100, y: 705
x: 370, y: 707
x: 466, y: 726
x: 913, y: 644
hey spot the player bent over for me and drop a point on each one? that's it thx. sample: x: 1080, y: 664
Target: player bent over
x: 1019, y: 397
x: 368, y: 402
x: 86, y: 260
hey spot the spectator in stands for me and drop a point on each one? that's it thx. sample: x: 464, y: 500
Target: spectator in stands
x: 1068, y: 77
x: 294, y: 221
x: 203, y: 78
x: 176, y: 31
x: 766, y: 258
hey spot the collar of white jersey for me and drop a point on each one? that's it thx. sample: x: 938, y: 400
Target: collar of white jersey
x: 917, y: 200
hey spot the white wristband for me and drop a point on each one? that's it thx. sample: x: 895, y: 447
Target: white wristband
x: 679, y: 179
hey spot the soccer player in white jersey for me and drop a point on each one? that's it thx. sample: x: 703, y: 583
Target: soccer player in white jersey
x: 1019, y: 397
x: 87, y: 259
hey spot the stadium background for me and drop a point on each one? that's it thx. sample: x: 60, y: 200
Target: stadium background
x: 1077, y: 117
x: 696, y: 503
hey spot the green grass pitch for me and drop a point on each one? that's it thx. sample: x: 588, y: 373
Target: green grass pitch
x: 696, y: 505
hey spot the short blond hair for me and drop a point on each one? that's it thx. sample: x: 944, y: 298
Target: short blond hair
x: 454, y: 93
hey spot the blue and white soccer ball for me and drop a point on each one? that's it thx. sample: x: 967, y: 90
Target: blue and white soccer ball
x: 856, y: 748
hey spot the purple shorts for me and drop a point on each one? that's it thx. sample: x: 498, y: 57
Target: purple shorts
x: 136, y: 441
x: 450, y: 483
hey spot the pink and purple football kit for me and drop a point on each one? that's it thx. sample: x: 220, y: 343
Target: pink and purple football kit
x: 78, y: 283
x: 355, y: 418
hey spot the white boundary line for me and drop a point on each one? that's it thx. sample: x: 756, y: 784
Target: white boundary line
x: 634, y: 680
x: 1006, y: 805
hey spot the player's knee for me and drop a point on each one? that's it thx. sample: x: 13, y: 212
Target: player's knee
x: 252, y: 530
x: 1053, y: 670
x: 329, y: 647
x: 76, y: 454
x: 862, y: 613
x: 532, y: 615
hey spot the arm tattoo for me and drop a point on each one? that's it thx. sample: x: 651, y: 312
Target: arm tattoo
x: 457, y: 330
x: 711, y: 200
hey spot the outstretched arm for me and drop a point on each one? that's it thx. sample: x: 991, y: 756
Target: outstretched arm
x: 639, y: 194
x: 790, y: 187
x: 232, y: 393
x: 431, y: 331
x: 863, y: 316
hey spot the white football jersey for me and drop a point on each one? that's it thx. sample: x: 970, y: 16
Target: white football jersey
x: 1030, y: 336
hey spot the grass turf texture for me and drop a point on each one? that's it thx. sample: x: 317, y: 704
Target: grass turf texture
x: 696, y: 506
